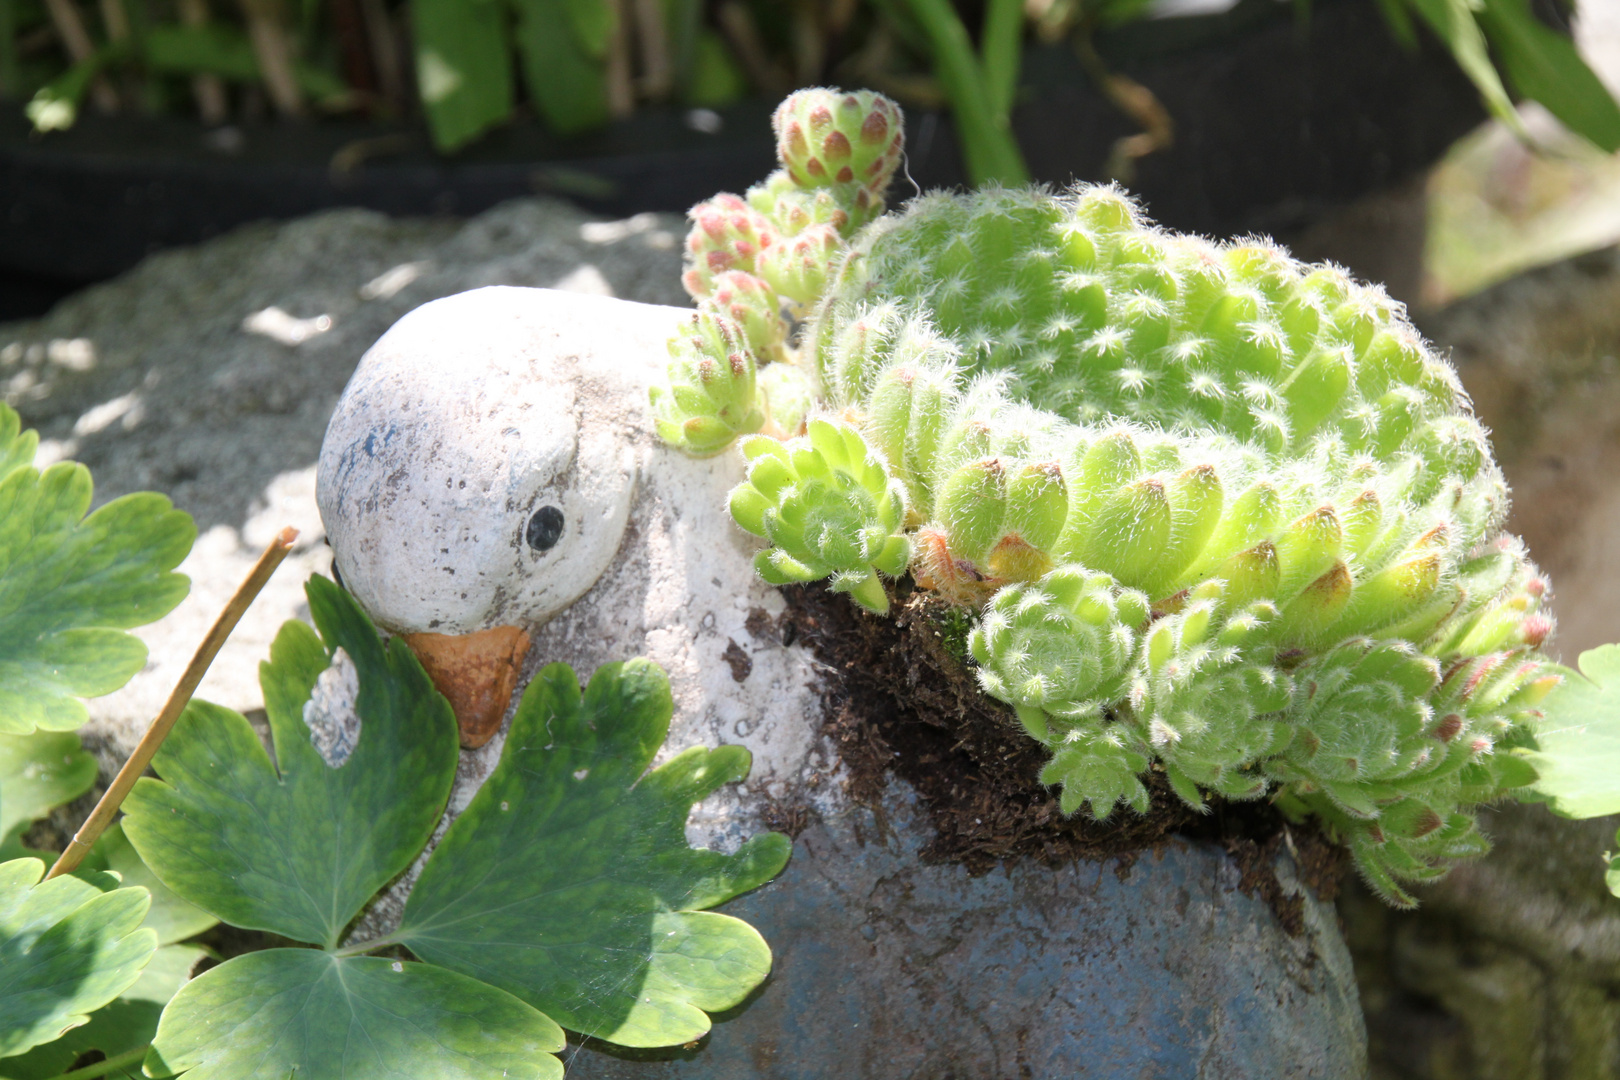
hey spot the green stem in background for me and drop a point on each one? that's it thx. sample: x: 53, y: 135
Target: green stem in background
x: 987, y: 142
x: 1002, y: 48
x: 107, y: 1065
x: 9, y: 80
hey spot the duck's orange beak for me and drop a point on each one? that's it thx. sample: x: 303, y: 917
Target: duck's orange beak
x: 477, y: 672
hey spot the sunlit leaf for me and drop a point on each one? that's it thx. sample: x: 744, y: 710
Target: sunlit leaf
x: 1542, y: 64
x: 70, y: 585
x: 299, y: 1012
x: 1577, y: 751
x: 298, y: 849
x: 463, y: 67
x: 1454, y: 21
x: 569, y: 881
x: 66, y: 949
x: 566, y: 83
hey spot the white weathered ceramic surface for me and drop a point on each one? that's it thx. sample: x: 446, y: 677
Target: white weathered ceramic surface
x: 475, y: 411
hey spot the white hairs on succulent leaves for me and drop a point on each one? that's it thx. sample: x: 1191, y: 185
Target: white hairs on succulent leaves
x: 476, y: 410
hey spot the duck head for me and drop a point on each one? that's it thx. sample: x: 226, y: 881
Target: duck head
x: 478, y: 472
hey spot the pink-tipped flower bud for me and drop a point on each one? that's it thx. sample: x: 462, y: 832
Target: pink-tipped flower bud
x: 727, y: 234
x: 826, y: 137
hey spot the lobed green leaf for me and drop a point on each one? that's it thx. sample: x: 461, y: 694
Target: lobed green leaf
x: 297, y: 846
x: 299, y: 1012
x: 569, y: 882
x: 1577, y: 754
x: 120, y: 1027
x: 70, y: 585
x: 66, y: 948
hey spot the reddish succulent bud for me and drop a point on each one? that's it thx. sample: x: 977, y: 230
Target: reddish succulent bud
x: 826, y: 137
x: 727, y: 234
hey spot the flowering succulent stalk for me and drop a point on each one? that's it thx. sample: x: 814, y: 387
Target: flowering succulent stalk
x: 1216, y: 512
x: 709, y: 400
x: 827, y: 138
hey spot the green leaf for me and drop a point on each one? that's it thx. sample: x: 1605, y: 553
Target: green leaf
x: 66, y: 948
x: 463, y: 67
x: 1543, y: 64
x: 298, y: 852
x: 594, y: 23
x: 38, y: 773
x: 221, y: 49
x: 567, y: 83
x: 70, y: 585
x: 127, y: 1024
x: 1578, y: 744
x: 1454, y: 21
x: 303, y: 1013
x: 569, y: 882
x: 1611, y: 877
x: 171, y: 917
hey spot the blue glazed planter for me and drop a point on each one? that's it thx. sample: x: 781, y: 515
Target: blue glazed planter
x: 889, y: 967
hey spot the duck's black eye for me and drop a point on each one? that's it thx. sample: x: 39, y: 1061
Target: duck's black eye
x: 545, y: 528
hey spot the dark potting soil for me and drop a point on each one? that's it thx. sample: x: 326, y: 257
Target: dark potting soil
x: 902, y: 703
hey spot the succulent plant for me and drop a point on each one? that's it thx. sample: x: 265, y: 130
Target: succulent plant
x: 827, y: 137
x: 829, y: 508
x: 1216, y: 512
x: 710, y: 397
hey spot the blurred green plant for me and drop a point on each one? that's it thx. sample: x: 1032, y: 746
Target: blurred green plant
x: 466, y: 66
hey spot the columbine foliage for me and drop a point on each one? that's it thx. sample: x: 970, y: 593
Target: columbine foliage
x: 67, y: 947
x: 70, y: 585
x: 38, y: 772
x: 1213, y: 509
x: 568, y: 879
x: 569, y: 840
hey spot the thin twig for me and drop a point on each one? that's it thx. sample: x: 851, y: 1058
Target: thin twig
x: 384, y: 53
x: 809, y: 44
x: 108, y: 806
x: 208, y: 90
x: 274, y: 53
x: 621, y: 91
x: 76, y: 40
x: 652, y: 38
x: 1135, y: 101
x: 742, y: 34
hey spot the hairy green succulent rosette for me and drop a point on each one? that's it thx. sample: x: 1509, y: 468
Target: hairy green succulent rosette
x: 1059, y: 648
x: 1206, y: 695
x: 1261, y: 455
x: 710, y: 397
x: 828, y: 508
x: 792, y: 209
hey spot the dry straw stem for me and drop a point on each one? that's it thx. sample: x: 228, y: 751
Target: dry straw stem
x: 76, y: 39
x: 108, y: 806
